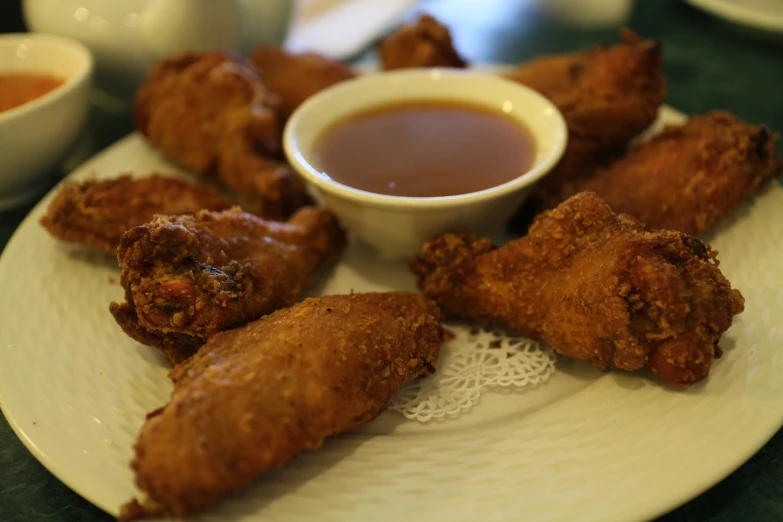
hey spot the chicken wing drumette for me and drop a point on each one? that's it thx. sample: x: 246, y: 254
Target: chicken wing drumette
x: 594, y: 286
x: 296, y: 77
x: 608, y: 95
x: 210, y: 113
x: 255, y: 396
x: 424, y: 43
x: 97, y: 213
x: 189, y: 277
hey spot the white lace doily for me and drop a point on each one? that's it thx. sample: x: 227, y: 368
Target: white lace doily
x: 474, y: 361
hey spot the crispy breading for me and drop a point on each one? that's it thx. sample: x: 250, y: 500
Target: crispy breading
x: 189, y: 277
x: 689, y: 176
x: 97, y: 213
x: 593, y: 285
x: 210, y: 113
x: 607, y: 95
x: 254, y: 397
x: 296, y: 77
x: 423, y: 43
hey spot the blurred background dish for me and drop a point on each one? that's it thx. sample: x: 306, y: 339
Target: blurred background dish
x: 128, y: 36
x: 36, y: 135
x: 763, y: 17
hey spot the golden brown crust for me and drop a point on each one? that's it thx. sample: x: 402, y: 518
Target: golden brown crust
x: 423, y: 43
x: 689, y: 176
x: 210, y: 113
x: 189, y: 277
x: 607, y: 95
x: 255, y: 396
x: 594, y: 286
x: 97, y: 213
x: 296, y: 77
x: 186, y: 98
x: 135, y: 510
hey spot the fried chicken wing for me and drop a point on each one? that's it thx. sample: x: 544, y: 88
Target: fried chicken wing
x: 97, y: 213
x: 690, y: 175
x: 210, y: 113
x: 189, y: 277
x: 424, y: 43
x: 593, y: 285
x: 296, y: 77
x: 255, y: 396
x: 608, y: 95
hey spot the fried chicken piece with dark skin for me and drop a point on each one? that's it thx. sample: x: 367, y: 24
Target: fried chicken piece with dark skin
x: 211, y: 113
x: 689, y: 176
x: 296, y: 77
x: 188, y: 277
x: 182, y: 103
x: 607, y: 95
x: 97, y: 213
x: 255, y: 396
x: 595, y: 286
x: 423, y: 43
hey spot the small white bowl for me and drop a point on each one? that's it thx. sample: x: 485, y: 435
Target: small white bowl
x: 35, y: 136
x: 398, y: 226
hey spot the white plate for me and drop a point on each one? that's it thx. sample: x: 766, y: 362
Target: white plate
x: 760, y: 15
x: 587, y: 445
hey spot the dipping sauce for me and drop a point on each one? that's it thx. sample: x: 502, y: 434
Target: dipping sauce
x: 426, y: 149
x: 19, y: 88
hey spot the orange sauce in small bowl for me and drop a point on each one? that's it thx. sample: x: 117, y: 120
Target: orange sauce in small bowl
x: 426, y: 149
x: 19, y: 88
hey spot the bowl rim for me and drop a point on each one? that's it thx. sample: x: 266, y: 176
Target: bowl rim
x: 298, y: 161
x: 60, y: 91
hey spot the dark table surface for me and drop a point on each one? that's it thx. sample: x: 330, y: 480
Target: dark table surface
x: 709, y: 65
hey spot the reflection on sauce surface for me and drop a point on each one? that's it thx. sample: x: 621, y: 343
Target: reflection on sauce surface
x: 19, y: 88
x: 426, y: 149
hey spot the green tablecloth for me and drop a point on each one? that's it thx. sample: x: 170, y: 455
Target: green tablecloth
x: 709, y: 65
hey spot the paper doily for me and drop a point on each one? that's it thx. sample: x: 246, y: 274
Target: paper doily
x: 475, y: 361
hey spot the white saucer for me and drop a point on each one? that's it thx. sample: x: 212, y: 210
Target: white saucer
x: 763, y: 17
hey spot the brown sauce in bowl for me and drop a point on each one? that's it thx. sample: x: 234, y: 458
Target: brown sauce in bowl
x: 426, y: 149
x: 19, y: 88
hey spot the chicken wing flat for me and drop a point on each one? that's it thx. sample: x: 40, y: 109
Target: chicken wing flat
x: 607, y: 95
x: 690, y: 175
x: 424, y: 43
x: 189, y: 277
x: 255, y: 396
x: 210, y: 113
x: 593, y: 285
x: 97, y: 213
x: 296, y: 77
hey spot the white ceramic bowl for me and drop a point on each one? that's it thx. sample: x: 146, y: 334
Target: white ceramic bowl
x: 398, y: 226
x: 35, y: 136
x: 128, y: 36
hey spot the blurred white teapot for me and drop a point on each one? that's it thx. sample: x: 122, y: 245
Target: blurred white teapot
x: 128, y: 36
